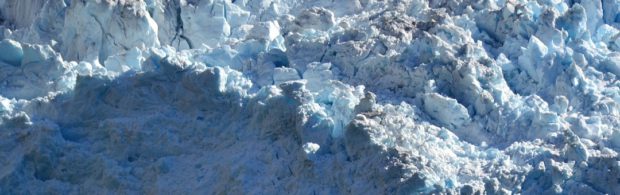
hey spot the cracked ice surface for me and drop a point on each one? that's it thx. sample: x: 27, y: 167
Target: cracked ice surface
x: 309, y: 96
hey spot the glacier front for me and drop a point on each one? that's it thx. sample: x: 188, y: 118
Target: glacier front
x: 309, y: 97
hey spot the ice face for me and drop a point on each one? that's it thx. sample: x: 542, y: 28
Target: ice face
x: 306, y: 96
x: 12, y: 52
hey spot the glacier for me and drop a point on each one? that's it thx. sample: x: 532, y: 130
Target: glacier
x: 309, y: 96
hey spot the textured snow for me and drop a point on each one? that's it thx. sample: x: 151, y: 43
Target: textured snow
x: 309, y: 96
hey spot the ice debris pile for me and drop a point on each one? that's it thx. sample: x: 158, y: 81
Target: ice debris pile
x: 310, y: 96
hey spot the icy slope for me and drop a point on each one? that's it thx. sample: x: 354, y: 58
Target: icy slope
x: 309, y: 97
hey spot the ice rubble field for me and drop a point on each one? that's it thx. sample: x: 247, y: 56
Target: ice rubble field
x: 310, y: 96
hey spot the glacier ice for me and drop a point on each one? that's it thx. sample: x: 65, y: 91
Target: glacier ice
x: 310, y: 96
x: 12, y: 52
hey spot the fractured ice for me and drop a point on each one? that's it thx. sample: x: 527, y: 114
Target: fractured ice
x: 310, y: 96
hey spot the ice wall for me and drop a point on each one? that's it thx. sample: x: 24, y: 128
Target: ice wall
x: 305, y: 96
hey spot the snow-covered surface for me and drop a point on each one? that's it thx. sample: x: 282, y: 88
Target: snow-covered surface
x: 309, y: 96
